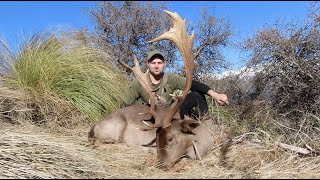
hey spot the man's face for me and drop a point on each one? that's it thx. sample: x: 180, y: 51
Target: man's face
x: 156, y: 66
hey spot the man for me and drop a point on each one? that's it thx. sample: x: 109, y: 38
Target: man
x: 165, y: 84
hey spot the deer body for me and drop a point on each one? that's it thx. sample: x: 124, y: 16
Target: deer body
x: 126, y: 125
x: 123, y: 125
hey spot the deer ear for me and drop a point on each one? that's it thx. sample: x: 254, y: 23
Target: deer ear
x: 188, y: 125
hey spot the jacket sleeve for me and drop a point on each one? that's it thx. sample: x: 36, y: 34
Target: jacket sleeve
x: 200, y: 87
x: 132, y: 94
x: 180, y: 82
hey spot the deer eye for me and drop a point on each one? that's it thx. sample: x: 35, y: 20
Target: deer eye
x: 170, y: 139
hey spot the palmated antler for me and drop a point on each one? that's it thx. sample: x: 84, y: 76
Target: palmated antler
x: 178, y: 35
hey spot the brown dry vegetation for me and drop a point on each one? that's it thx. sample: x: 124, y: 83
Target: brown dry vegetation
x: 30, y: 151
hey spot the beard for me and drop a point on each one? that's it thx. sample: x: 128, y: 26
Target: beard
x: 156, y: 72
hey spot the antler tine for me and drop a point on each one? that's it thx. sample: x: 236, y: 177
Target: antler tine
x: 178, y: 35
x: 143, y: 79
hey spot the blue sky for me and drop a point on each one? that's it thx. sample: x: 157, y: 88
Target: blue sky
x: 28, y: 17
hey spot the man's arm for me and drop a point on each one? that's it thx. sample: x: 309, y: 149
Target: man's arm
x: 201, y: 88
x: 132, y: 94
x: 219, y: 98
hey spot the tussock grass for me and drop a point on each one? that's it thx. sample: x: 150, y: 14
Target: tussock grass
x: 61, y: 74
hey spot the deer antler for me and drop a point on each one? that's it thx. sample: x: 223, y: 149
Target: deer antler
x: 178, y: 35
x: 143, y: 79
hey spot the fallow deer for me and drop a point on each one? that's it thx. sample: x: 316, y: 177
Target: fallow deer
x: 174, y: 137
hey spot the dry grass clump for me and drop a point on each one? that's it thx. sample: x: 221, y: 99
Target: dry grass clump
x: 12, y: 105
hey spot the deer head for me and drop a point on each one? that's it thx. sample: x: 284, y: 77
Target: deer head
x: 167, y: 152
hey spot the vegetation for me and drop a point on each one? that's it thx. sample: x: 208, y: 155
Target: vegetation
x: 68, y: 79
x: 124, y: 35
x: 61, y: 74
x: 282, y: 97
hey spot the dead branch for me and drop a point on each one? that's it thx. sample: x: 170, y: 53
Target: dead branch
x: 294, y: 148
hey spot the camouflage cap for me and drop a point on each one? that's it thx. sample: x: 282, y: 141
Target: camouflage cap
x: 155, y: 52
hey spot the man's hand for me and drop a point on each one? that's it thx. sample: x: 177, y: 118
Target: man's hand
x: 219, y: 98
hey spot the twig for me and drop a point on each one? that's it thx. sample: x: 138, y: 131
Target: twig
x: 291, y: 129
x: 217, y: 106
x: 234, y: 140
x: 238, y: 138
x: 264, y: 132
x: 314, y: 116
x: 17, y: 110
x: 294, y: 148
x: 197, y: 152
x: 220, y: 144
